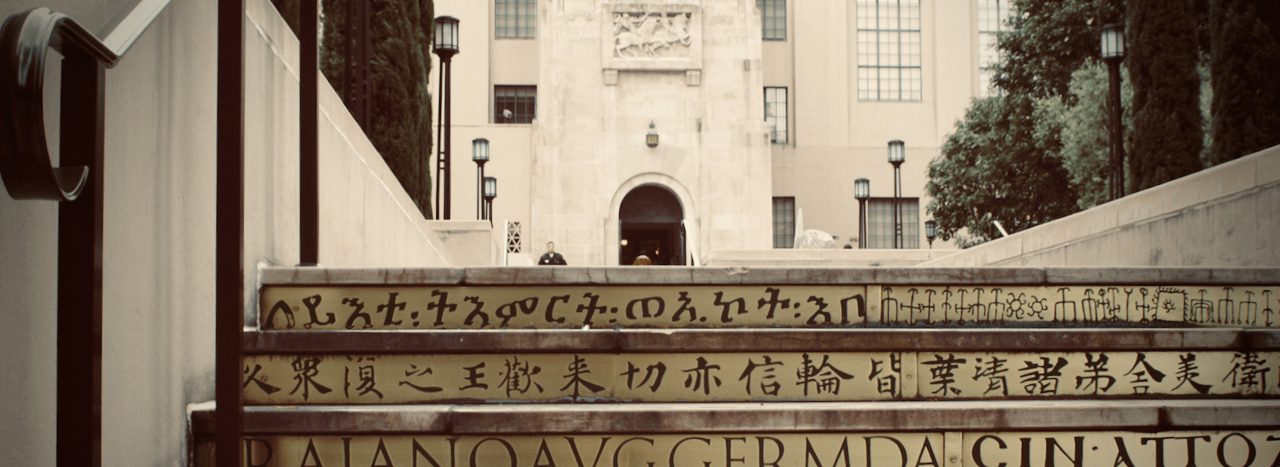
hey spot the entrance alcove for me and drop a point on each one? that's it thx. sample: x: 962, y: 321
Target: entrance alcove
x: 649, y: 220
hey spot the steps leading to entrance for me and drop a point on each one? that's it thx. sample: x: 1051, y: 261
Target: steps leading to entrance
x: 635, y: 366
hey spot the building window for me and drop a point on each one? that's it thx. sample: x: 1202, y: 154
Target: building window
x: 773, y: 14
x: 515, y: 19
x: 992, y: 15
x: 889, y: 50
x: 775, y: 113
x: 880, y: 222
x: 515, y: 104
x: 784, y: 221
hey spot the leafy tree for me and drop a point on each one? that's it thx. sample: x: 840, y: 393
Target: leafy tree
x: 400, y: 128
x: 1002, y: 163
x: 1048, y: 41
x: 1085, y: 129
x: 992, y: 170
x: 1162, y: 54
x: 1246, y: 77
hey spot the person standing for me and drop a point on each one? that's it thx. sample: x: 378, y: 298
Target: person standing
x: 551, y: 258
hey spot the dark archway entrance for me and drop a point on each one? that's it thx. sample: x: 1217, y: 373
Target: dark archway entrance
x: 650, y: 221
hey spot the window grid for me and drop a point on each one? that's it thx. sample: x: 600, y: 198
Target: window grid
x: 775, y: 113
x: 520, y: 101
x: 880, y: 222
x: 773, y: 15
x: 515, y: 19
x: 992, y: 15
x: 889, y: 50
x: 784, y: 221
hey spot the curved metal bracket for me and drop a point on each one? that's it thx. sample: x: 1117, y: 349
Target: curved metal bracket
x: 25, y: 39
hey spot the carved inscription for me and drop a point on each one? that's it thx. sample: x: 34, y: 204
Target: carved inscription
x: 894, y: 449
x: 1085, y: 305
x: 401, y: 379
x: 765, y: 376
x: 361, y: 308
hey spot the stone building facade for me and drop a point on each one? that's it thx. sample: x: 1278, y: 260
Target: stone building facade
x: 766, y: 111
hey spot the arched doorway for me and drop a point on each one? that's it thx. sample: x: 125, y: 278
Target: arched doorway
x: 649, y: 220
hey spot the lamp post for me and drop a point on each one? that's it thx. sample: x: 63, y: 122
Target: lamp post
x: 444, y: 45
x: 490, y: 192
x: 1113, y: 54
x: 480, y: 154
x: 897, y: 155
x: 862, y: 191
x: 930, y: 231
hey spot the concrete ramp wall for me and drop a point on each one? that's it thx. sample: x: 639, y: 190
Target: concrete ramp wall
x: 1223, y: 216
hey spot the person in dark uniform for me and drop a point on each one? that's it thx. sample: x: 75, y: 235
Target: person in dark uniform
x: 551, y: 258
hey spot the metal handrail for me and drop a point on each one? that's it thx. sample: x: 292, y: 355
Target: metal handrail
x: 25, y: 40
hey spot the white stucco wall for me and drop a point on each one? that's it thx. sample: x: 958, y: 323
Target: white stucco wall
x: 158, y: 253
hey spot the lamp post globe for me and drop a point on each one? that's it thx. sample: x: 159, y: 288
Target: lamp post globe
x: 897, y: 155
x: 445, y: 45
x: 930, y: 231
x: 1113, y: 49
x: 445, y: 37
x: 861, y: 192
x: 490, y: 192
x: 480, y: 155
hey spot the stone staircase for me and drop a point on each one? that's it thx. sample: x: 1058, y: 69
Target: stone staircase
x: 761, y: 367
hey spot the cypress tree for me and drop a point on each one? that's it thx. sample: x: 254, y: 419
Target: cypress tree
x: 1162, y: 54
x: 400, y: 128
x: 1245, y: 72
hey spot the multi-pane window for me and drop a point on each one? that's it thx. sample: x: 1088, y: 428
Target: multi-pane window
x: 515, y: 104
x: 784, y: 221
x: 991, y: 21
x: 889, y: 50
x: 775, y: 113
x: 774, y: 16
x: 880, y: 222
x: 515, y: 19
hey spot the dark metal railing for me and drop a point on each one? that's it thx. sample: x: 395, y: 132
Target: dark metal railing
x: 29, y: 174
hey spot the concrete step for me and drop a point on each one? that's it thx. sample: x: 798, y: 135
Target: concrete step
x: 1023, y: 415
x: 888, y: 434
x: 308, y: 300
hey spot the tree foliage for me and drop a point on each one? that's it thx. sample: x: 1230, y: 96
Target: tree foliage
x: 1002, y: 162
x: 1085, y: 129
x: 400, y: 127
x: 1245, y: 36
x: 1162, y: 55
x: 992, y: 170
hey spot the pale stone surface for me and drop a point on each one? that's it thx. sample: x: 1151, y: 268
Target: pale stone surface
x: 738, y: 417
x: 814, y: 240
x: 589, y: 152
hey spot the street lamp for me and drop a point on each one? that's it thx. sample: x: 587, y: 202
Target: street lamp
x: 651, y: 139
x: 480, y: 155
x: 930, y: 231
x: 897, y: 155
x: 445, y: 45
x: 862, y: 191
x: 1113, y: 53
x: 490, y: 192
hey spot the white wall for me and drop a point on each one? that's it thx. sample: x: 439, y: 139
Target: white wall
x: 158, y: 253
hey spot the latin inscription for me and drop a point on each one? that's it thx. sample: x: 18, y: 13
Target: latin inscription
x: 977, y: 449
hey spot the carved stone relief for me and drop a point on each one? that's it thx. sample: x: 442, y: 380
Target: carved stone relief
x: 651, y: 35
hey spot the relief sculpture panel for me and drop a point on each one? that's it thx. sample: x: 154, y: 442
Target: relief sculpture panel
x: 652, y: 37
